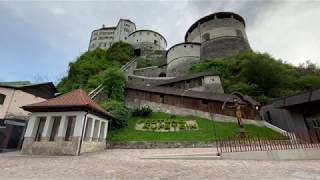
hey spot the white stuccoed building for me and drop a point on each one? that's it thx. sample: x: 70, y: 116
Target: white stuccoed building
x: 70, y: 124
x: 104, y: 37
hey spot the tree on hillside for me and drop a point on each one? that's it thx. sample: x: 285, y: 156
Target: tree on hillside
x: 261, y: 76
x: 89, y: 68
x: 114, y: 82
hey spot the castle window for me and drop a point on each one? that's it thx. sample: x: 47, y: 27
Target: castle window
x: 162, y: 74
x: 239, y: 33
x: 161, y: 95
x: 2, y: 98
x: 184, y: 46
x: 191, y: 46
x: 155, y: 34
x: 155, y: 42
x: 206, y: 37
x: 204, y: 101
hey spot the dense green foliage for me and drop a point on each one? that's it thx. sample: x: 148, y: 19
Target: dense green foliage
x: 114, y: 82
x: 262, y: 76
x: 89, y: 68
x: 143, y: 112
x: 98, y: 67
x: 118, y: 109
x: 208, y: 130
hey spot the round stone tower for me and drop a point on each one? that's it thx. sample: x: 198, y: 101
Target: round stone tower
x: 221, y: 35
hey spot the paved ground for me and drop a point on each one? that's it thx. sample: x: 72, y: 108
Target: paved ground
x: 126, y: 164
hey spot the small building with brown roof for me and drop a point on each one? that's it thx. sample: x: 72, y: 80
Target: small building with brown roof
x: 13, y: 119
x: 70, y: 124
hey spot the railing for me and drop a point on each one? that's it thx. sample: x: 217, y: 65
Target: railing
x: 263, y: 143
x: 92, y: 94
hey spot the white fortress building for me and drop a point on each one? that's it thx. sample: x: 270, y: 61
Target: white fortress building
x: 217, y: 35
x: 105, y: 36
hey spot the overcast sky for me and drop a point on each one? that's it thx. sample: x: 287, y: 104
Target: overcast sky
x: 39, y: 39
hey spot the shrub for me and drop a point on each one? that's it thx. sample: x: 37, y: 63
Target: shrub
x: 182, y: 126
x: 143, y: 112
x: 119, y: 111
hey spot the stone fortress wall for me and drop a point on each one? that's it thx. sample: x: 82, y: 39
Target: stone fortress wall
x: 220, y: 34
x: 217, y: 35
x: 147, y: 40
x: 181, y: 57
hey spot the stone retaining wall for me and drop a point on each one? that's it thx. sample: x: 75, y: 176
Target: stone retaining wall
x: 159, y: 144
x: 51, y: 147
x: 170, y: 109
x: 92, y: 146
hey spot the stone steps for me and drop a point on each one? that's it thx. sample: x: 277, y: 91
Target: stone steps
x: 194, y: 156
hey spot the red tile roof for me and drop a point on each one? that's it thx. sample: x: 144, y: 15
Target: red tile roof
x: 74, y: 99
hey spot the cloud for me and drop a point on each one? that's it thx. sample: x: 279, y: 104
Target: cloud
x: 288, y: 30
x: 41, y: 38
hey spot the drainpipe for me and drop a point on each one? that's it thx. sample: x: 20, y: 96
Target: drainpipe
x: 81, y: 138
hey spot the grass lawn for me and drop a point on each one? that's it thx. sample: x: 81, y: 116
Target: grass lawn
x: 206, y: 130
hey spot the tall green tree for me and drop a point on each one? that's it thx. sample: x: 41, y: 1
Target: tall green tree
x: 114, y: 82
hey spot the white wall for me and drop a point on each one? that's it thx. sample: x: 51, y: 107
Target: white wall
x: 80, y: 115
x: 124, y: 28
x: 181, y: 57
x: 217, y: 28
x: 147, y: 38
x: 15, y: 99
x: 102, y: 39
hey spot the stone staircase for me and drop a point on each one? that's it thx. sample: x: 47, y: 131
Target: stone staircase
x: 193, y: 156
x: 127, y: 69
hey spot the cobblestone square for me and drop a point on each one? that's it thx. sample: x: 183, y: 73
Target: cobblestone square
x: 127, y: 164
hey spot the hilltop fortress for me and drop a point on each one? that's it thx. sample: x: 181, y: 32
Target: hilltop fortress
x: 168, y: 86
x: 217, y: 35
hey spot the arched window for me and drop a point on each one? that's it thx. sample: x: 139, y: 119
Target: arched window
x: 205, y: 37
x: 2, y: 98
x: 162, y: 74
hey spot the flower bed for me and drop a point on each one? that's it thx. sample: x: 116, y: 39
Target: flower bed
x: 166, y: 125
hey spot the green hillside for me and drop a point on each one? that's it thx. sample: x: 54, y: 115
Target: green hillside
x: 88, y: 69
x: 262, y: 76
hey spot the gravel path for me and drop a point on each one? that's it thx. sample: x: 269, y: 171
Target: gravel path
x: 126, y: 164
